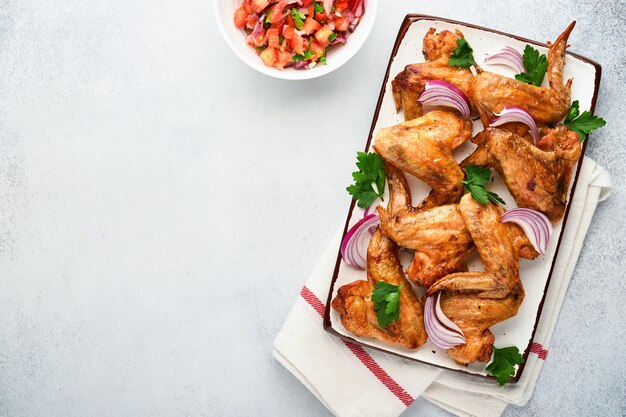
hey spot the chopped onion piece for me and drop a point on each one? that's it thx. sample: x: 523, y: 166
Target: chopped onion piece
x: 355, y: 242
x: 513, y: 114
x: 442, y: 93
x: 441, y: 330
x: 536, y: 225
x: 328, y: 6
x: 507, y: 56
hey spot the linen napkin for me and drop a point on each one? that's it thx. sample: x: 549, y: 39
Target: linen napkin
x: 351, y: 380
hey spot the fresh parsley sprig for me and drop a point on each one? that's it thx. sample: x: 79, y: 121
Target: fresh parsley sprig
x: 386, y: 298
x: 298, y: 18
x: 318, y: 7
x: 503, y: 364
x: 535, y: 65
x: 308, y: 54
x: 463, y: 55
x: 371, y: 171
x: 583, y: 123
x: 474, y: 183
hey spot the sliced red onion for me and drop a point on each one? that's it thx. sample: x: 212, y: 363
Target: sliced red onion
x: 301, y: 65
x: 442, y: 93
x: 441, y: 330
x: 328, y: 6
x: 536, y: 225
x: 259, y: 26
x: 514, y: 114
x: 507, y: 56
x: 341, y: 38
x: 355, y: 242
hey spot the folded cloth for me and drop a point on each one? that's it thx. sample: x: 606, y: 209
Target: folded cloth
x: 351, y: 380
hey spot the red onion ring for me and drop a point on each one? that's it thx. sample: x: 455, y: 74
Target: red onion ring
x: 535, y: 224
x: 514, y: 114
x: 441, y: 330
x: 355, y: 242
x: 442, y: 93
x: 507, y: 56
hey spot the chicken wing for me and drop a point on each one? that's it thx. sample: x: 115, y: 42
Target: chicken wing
x: 476, y: 301
x: 438, y: 236
x: 423, y: 147
x: 409, y: 83
x: 537, y: 176
x: 356, y: 308
x: 491, y: 92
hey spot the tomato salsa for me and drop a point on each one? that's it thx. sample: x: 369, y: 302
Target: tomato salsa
x: 297, y: 33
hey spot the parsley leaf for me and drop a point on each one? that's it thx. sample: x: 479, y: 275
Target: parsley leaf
x: 476, y: 178
x: 535, y: 66
x: 298, y: 18
x: 371, y: 171
x: 261, y: 48
x: 318, y: 8
x: 463, y: 55
x: 503, y: 364
x: 332, y: 37
x: 386, y: 298
x: 268, y: 19
x: 583, y: 124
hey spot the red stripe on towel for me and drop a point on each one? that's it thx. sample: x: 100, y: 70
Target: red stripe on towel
x: 539, y: 350
x: 360, y: 353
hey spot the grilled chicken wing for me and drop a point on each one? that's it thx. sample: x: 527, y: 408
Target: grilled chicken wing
x: 476, y: 301
x: 491, y: 92
x: 438, y: 236
x: 410, y: 83
x: 536, y: 176
x: 354, y: 301
x: 423, y: 147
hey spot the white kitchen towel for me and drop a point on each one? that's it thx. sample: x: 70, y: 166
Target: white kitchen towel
x: 354, y: 381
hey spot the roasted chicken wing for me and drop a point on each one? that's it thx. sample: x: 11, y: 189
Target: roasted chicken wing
x: 491, y: 92
x: 356, y: 308
x: 410, y: 83
x: 423, y: 147
x: 536, y: 176
x: 438, y: 236
x: 476, y: 301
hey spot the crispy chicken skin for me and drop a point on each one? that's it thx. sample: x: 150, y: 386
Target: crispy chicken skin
x: 536, y: 176
x: 423, y: 147
x: 410, y: 83
x: 491, y: 92
x: 476, y: 301
x: 438, y: 236
x: 354, y: 303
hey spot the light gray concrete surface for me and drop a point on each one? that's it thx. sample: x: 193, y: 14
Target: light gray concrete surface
x: 161, y: 204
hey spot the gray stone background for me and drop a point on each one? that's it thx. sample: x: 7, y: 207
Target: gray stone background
x: 162, y: 203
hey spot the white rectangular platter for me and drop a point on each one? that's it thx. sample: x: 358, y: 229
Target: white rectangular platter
x: 535, y: 275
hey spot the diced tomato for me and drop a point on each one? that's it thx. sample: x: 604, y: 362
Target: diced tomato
x: 272, y: 38
x: 317, y: 49
x: 260, y: 40
x: 269, y: 57
x: 240, y: 17
x: 306, y: 2
x: 288, y: 33
x: 282, y: 59
x: 321, y: 17
x: 310, y: 10
x: 342, y: 23
x: 290, y: 22
x: 251, y: 21
x: 322, y: 36
x: 297, y: 44
x: 247, y: 6
x: 259, y: 5
x: 310, y: 26
x: 341, y: 5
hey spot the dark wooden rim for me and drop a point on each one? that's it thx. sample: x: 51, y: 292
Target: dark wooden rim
x: 407, y: 22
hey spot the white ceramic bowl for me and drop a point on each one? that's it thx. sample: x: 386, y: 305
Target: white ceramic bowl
x: 337, y: 56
